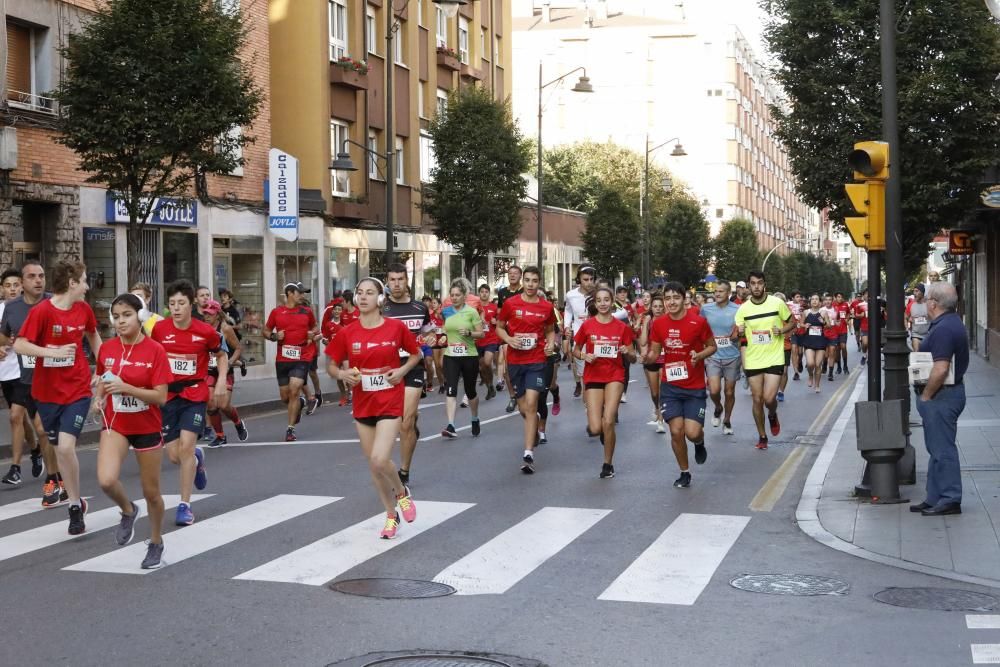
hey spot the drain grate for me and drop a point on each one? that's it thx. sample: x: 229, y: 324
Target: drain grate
x: 392, y: 589
x: 937, y: 599
x: 982, y: 467
x: 424, y: 658
x: 790, y: 584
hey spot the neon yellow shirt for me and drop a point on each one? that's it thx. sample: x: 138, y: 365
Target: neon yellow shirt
x: 764, y: 349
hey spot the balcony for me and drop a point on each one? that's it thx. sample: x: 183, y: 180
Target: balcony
x: 39, y: 103
x: 470, y: 72
x: 349, y: 73
x: 349, y: 209
x: 448, y: 59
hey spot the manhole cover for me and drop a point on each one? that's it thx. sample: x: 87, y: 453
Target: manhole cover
x: 790, y: 584
x: 437, y: 661
x: 431, y: 658
x: 939, y: 599
x: 392, y: 589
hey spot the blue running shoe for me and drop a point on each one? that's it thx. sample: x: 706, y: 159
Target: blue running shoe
x: 185, y: 517
x: 781, y: 397
x: 200, y: 477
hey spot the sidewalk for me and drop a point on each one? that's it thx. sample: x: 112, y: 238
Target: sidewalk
x: 251, y: 397
x: 966, y: 547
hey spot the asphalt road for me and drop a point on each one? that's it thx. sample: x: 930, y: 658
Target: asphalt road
x: 560, y: 567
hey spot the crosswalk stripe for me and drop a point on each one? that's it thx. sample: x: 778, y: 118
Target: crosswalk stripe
x: 986, y: 654
x: 328, y: 558
x: 25, y: 507
x: 54, y: 533
x: 208, y: 534
x: 678, y: 565
x: 512, y: 555
x: 982, y: 621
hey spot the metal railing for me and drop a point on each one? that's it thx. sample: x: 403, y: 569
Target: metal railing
x: 40, y: 103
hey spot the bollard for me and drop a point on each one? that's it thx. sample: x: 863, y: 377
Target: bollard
x: 882, y: 443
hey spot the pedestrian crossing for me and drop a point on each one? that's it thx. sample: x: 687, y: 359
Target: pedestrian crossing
x: 674, y: 569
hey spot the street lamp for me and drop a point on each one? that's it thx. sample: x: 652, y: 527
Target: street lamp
x: 807, y: 239
x: 667, y: 183
x: 583, y: 85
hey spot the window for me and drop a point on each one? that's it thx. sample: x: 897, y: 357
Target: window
x: 230, y: 142
x: 230, y: 7
x: 341, y: 181
x: 482, y: 43
x: 400, y: 162
x: 442, y: 100
x: 372, y: 157
x: 338, y: 29
x: 441, y: 27
x: 399, y: 44
x: 371, y: 32
x: 27, y: 75
x: 420, y: 99
x: 420, y: 12
x: 427, y: 161
x: 463, y: 40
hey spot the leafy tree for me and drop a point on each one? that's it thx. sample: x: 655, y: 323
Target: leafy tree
x: 149, y: 99
x: 777, y: 279
x: 736, y: 252
x: 476, y: 189
x: 682, y: 244
x: 611, y: 236
x: 828, y: 66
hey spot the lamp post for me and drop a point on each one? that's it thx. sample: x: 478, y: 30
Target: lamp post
x: 646, y: 268
x: 582, y: 86
x: 763, y: 265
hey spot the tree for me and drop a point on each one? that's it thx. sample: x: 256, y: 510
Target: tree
x: 611, y: 236
x: 152, y: 92
x: 477, y: 187
x: 948, y: 57
x: 682, y: 244
x: 736, y: 252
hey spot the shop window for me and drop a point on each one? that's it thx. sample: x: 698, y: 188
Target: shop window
x: 99, y: 256
x: 343, y: 269
x: 296, y: 263
x: 377, y: 266
x: 431, y: 262
x: 180, y: 257
x: 238, y: 265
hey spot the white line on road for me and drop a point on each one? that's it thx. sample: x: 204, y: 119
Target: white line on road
x: 512, y: 555
x: 677, y: 567
x: 328, y: 558
x: 54, y: 533
x: 24, y: 507
x: 208, y: 534
x: 986, y: 654
x: 982, y: 621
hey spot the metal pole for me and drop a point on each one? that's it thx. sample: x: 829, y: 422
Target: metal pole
x: 645, y: 263
x: 874, y: 326
x: 390, y: 132
x: 539, y: 200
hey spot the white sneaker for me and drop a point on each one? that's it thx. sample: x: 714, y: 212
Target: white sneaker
x: 652, y: 422
x: 624, y: 400
x: 661, y: 427
x: 716, y: 421
x: 727, y: 430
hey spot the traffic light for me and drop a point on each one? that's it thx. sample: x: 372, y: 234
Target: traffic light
x: 870, y: 162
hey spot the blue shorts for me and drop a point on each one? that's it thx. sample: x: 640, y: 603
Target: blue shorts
x: 842, y: 339
x: 492, y: 347
x: 68, y: 419
x: 180, y: 414
x: 428, y: 352
x: 527, y: 376
x: 677, y: 402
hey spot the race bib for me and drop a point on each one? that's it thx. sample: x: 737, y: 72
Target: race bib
x: 723, y: 342
x: 213, y: 363
x: 606, y: 351
x: 920, y: 321
x: 374, y: 382
x: 123, y: 403
x: 183, y: 364
x: 760, y: 337
x: 58, y: 362
x: 676, y: 371
x: 486, y: 328
x: 457, y: 350
x: 815, y: 331
x: 291, y: 352
x: 27, y: 361
x: 526, y: 341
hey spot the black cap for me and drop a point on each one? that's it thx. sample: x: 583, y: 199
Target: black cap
x: 296, y: 287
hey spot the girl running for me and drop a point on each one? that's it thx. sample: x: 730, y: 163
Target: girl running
x: 222, y: 405
x: 814, y: 341
x: 365, y: 356
x: 134, y: 372
x: 332, y: 325
x: 463, y: 327
x: 832, y: 335
x: 656, y: 309
x: 437, y: 350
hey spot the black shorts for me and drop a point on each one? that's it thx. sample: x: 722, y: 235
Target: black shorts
x: 464, y: 368
x: 492, y: 347
x: 371, y: 421
x: 653, y: 368
x: 770, y: 370
x: 16, y: 392
x: 285, y: 370
x: 145, y: 441
x: 599, y: 385
x: 314, y: 364
x: 788, y: 358
x: 415, y: 378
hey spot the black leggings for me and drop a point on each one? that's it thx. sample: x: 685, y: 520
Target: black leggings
x: 543, y: 395
x: 466, y: 368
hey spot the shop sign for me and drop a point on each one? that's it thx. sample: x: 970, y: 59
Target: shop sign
x: 283, y: 194
x: 98, y: 234
x: 991, y: 196
x: 167, y: 212
x: 960, y: 242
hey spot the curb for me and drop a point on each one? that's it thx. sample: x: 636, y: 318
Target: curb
x: 807, y: 512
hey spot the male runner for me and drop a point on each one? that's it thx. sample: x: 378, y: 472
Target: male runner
x: 843, y: 324
x: 513, y: 288
x: 624, y: 313
x: 201, y: 298
x: 489, y: 345
x: 215, y: 317
x: 21, y: 430
x: 292, y: 327
x: 796, y: 305
x: 575, y: 314
x: 723, y: 367
x: 764, y: 321
x: 856, y: 320
x: 861, y: 314
x: 917, y: 317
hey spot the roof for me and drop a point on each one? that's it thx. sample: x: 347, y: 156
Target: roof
x: 575, y: 18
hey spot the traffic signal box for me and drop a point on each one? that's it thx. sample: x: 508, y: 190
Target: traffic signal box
x: 870, y: 162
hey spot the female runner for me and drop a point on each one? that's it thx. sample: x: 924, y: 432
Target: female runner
x: 656, y: 309
x: 815, y: 321
x: 212, y: 312
x: 437, y: 350
x: 832, y: 335
x: 365, y: 356
x: 463, y: 327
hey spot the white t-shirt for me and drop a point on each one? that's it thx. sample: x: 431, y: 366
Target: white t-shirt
x: 575, y: 313
x: 9, y: 368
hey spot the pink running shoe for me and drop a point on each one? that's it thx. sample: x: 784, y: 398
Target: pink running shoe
x: 391, y: 525
x: 555, y: 409
x: 406, y: 506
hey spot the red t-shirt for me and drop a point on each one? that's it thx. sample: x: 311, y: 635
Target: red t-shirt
x: 843, y: 313
x: 296, y: 322
x: 374, y: 352
x: 527, y: 321
x: 489, y: 314
x: 143, y: 365
x: 348, y: 317
x: 331, y: 329
x: 61, y: 381
x: 678, y: 338
x: 861, y: 311
x: 187, y: 353
x: 603, y: 341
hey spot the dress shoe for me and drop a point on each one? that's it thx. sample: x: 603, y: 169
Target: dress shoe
x: 942, y: 510
x: 921, y: 507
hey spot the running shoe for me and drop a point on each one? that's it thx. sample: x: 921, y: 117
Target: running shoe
x: 607, y: 471
x: 661, y: 427
x: 624, y: 399
x: 154, y: 556
x: 762, y: 442
x: 50, y: 493
x: 528, y: 466
x: 746, y: 382
x: 200, y: 476
x: 302, y: 408
x: 63, y: 493
x: 700, y: 453
x: 511, y: 405
x: 727, y: 428
x: 126, y: 527
x: 796, y: 377
x: 864, y: 359
x: 390, y: 527
x: 243, y: 374
x: 829, y: 378
x: 449, y: 432
x: 37, y: 463
x: 13, y: 476
x: 76, y: 514
x: 781, y: 397
x: 476, y: 430
x: 290, y: 435
x: 441, y: 389
x: 464, y: 403
x: 219, y: 441
x: 717, y: 417
x: 684, y: 481
x: 490, y: 392
x: 577, y: 390
x: 840, y: 370
x: 312, y: 406
x: 772, y: 419
x: 184, y: 516
x: 542, y: 439
x: 556, y: 408
x: 342, y: 402
x: 404, y: 476
x: 319, y: 399
x: 499, y: 386
x: 209, y: 433
x: 405, y: 503
x: 241, y: 430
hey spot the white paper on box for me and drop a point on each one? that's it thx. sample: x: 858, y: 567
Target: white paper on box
x: 921, y: 364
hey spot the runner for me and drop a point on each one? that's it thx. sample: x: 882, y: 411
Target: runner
x: 723, y: 367
x: 224, y: 404
x: 463, y: 327
x: 917, y: 318
x: 764, y: 321
x: 188, y: 343
x: 575, y: 314
x: 202, y: 296
x: 292, y: 326
x: 788, y: 352
x: 330, y: 327
x: 514, y: 287
x: 314, y: 395
x: 54, y: 332
x: 623, y: 312
x: 856, y: 320
x: 686, y: 341
x: 350, y: 313
x: 550, y: 378
x: 366, y: 357
x: 831, y: 332
x: 601, y: 343
x: 652, y: 370
x: 796, y: 307
x: 414, y: 315
x: 815, y: 341
x: 437, y: 349
x: 843, y: 318
x: 133, y: 372
x: 860, y: 314
x: 527, y: 325
x: 489, y: 345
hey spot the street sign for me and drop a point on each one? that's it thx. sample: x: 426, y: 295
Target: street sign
x: 961, y: 243
x: 283, y: 194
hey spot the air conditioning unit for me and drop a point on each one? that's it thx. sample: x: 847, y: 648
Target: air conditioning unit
x: 8, y: 148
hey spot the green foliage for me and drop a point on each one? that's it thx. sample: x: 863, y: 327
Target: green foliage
x: 682, y: 244
x: 611, y: 237
x: 476, y: 190
x: 949, y: 111
x: 807, y: 273
x: 150, y: 91
x: 736, y: 252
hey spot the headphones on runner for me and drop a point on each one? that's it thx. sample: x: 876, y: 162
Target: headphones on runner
x: 381, y: 294
x: 586, y: 268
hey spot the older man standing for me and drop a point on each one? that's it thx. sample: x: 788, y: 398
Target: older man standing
x: 941, y: 400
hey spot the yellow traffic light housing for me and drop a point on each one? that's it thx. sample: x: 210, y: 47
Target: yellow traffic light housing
x: 870, y: 161
x: 867, y: 230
